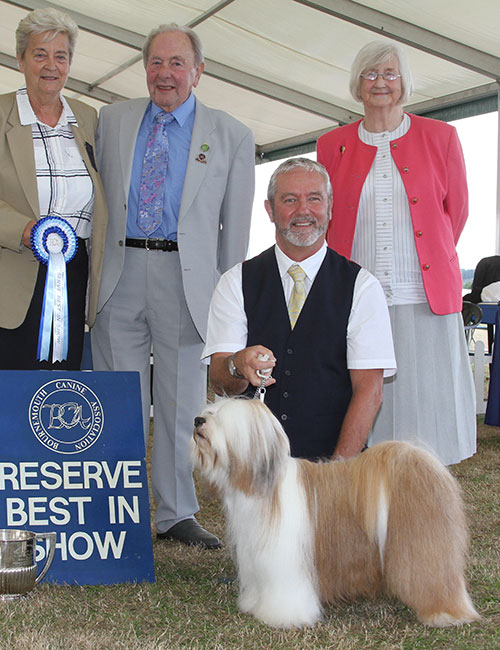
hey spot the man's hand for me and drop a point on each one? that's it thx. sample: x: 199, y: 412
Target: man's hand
x: 251, y: 360
x: 248, y: 362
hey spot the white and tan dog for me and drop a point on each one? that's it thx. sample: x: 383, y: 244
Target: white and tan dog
x: 306, y: 534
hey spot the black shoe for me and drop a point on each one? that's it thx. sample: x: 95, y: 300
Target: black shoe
x: 190, y: 532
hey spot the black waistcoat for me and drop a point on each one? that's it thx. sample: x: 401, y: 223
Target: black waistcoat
x: 313, y: 387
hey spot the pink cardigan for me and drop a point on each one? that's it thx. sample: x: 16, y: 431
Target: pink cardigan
x: 431, y: 163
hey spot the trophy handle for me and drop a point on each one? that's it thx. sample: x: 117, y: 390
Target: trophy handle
x: 51, y: 538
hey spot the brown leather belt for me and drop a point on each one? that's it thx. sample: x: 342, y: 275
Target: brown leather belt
x: 153, y: 244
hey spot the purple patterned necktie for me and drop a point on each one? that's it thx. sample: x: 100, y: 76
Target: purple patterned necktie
x: 154, y: 173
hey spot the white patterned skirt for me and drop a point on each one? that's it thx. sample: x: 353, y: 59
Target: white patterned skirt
x: 431, y: 400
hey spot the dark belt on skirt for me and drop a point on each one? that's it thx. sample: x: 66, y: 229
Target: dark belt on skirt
x: 153, y: 244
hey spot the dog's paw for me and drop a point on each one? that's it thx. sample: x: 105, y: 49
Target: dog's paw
x: 284, y: 615
x: 444, y: 619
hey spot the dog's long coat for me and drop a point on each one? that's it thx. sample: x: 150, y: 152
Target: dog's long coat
x: 306, y: 534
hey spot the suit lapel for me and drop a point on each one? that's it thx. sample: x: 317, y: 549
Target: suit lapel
x: 81, y: 139
x: 130, y: 123
x: 21, y: 148
x: 203, y: 134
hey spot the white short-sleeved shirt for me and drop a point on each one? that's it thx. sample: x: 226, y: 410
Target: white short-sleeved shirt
x: 369, y: 336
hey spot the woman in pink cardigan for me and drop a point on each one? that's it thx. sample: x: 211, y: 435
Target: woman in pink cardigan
x: 400, y: 204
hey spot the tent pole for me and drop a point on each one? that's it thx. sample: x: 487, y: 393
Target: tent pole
x: 497, y: 234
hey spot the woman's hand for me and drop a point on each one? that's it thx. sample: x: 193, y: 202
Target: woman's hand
x: 27, y: 233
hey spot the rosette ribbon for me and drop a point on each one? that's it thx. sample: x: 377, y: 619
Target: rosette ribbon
x: 54, y: 243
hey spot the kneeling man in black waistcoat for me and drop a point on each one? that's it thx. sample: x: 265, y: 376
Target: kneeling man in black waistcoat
x: 321, y: 319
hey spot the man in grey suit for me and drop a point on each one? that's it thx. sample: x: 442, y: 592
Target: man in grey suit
x: 156, y: 287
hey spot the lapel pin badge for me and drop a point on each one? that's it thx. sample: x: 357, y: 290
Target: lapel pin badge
x: 201, y: 157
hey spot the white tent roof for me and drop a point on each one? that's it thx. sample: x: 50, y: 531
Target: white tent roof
x: 280, y: 66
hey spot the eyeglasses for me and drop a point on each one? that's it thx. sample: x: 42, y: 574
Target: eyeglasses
x: 371, y: 75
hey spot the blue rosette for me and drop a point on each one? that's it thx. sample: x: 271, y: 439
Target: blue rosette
x: 54, y: 243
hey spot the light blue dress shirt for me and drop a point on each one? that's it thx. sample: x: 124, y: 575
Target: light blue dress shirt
x: 179, y: 133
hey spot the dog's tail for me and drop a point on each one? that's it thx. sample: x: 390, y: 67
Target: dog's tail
x: 397, y: 479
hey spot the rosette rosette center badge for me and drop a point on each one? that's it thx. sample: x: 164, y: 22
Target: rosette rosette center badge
x: 54, y: 243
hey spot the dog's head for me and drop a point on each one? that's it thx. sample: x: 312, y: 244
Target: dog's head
x: 239, y: 444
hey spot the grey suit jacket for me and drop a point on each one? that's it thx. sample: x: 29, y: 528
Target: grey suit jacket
x: 19, y: 205
x: 215, y: 212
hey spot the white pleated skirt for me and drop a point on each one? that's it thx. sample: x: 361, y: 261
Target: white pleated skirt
x: 431, y: 400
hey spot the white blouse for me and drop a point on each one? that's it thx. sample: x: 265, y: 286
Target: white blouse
x: 65, y: 188
x: 383, y: 240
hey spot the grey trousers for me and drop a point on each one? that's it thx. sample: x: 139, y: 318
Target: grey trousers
x: 148, y: 311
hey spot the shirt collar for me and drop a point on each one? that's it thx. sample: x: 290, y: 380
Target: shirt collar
x: 310, y: 265
x: 181, y: 113
x: 27, y: 114
x: 368, y: 136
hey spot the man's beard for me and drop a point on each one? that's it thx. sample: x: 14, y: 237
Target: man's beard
x: 306, y: 238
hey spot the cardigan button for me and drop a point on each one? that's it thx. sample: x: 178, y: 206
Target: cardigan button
x: 414, y: 199
x: 405, y: 170
x: 394, y: 145
x: 288, y: 373
x: 285, y: 394
x: 419, y: 233
x: 284, y: 417
x: 427, y: 267
x: 120, y: 243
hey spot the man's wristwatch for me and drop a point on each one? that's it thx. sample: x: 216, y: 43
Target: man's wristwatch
x: 233, y: 369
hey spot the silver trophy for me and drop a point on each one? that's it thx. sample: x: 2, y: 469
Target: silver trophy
x: 18, y: 568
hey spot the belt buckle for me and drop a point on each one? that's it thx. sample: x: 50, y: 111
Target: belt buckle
x: 146, y: 244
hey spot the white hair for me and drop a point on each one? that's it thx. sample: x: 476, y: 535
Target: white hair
x: 372, y: 55
x: 49, y: 20
x: 174, y: 27
x: 298, y: 163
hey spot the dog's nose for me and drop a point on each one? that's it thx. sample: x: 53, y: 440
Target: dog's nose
x: 199, y: 421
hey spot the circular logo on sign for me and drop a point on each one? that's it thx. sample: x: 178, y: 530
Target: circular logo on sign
x: 66, y: 416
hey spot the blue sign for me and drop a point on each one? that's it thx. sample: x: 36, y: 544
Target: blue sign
x: 72, y: 461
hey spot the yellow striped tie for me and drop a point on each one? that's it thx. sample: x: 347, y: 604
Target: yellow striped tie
x: 298, y: 295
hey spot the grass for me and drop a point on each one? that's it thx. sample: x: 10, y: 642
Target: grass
x: 192, y: 605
